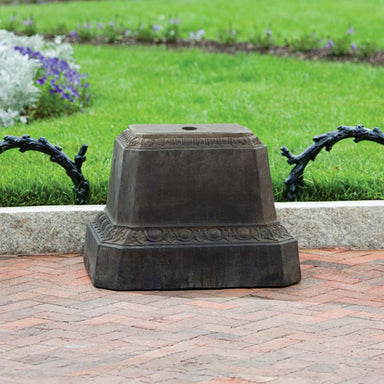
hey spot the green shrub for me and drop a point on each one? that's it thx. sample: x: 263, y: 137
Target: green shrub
x: 263, y: 41
x: 306, y: 42
x: 228, y: 36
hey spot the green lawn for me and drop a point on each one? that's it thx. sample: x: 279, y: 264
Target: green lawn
x: 283, y: 100
x: 289, y: 18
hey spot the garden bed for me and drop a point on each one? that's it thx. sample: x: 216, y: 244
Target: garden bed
x: 288, y: 20
x: 214, y: 46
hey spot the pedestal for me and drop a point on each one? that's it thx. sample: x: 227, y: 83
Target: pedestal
x: 189, y: 207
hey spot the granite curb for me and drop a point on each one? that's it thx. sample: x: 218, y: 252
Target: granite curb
x: 61, y: 229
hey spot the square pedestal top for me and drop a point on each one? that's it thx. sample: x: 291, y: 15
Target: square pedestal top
x: 182, y: 130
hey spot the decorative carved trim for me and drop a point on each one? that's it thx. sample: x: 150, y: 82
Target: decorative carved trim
x: 120, y: 235
x: 128, y: 139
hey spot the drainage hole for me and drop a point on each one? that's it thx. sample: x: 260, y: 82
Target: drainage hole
x: 189, y: 128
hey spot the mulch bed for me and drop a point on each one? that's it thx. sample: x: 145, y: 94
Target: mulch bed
x: 213, y: 46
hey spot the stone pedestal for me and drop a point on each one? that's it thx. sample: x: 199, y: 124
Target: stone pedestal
x: 189, y: 207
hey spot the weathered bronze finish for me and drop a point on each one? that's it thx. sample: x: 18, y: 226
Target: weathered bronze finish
x: 189, y: 206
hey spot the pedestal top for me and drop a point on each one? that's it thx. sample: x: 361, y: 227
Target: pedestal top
x: 193, y: 136
x: 177, y: 130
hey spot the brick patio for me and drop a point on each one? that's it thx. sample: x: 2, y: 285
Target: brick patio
x: 55, y: 327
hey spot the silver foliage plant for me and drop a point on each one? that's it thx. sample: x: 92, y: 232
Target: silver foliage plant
x: 18, y: 88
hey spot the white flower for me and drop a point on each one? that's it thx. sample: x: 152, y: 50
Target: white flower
x: 197, y: 36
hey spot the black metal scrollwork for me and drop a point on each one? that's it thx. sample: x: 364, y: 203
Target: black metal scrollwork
x: 327, y: 140
x: 73, y: 169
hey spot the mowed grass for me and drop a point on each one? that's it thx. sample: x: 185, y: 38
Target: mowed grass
x: 289, y: 18
x: 282, y: 100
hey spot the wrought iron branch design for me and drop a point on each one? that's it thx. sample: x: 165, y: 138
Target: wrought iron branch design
x: 327, y: 141
x: 73, y: 169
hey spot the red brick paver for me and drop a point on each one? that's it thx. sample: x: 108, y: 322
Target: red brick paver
x: 55, y: 327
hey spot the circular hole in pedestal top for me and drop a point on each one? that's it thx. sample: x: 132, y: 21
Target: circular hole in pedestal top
x: 189, y: 128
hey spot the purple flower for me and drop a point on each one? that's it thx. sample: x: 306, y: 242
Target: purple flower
x: 174, y: 21
x: 353, y: 47
x: 351, y: 31
x: 26, y: 51
x: 61, y: 78
x: 74, y: 92
x: 156, y: 28
x: 27, y: 22
x: 329, y: 44
x: 111, y: 24
x: 42, y: 80
x: 74, y: 34
x: 268, y: 32
x: 88, y: 26
x: 127, y: 32
x: 12, y: 18
x: 100, y: 26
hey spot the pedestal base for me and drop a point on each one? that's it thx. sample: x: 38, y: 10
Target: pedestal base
x: 189, y: 207
x: 245, y: 264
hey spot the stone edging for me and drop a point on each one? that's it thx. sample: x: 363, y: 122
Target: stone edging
x: 61, y: 229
